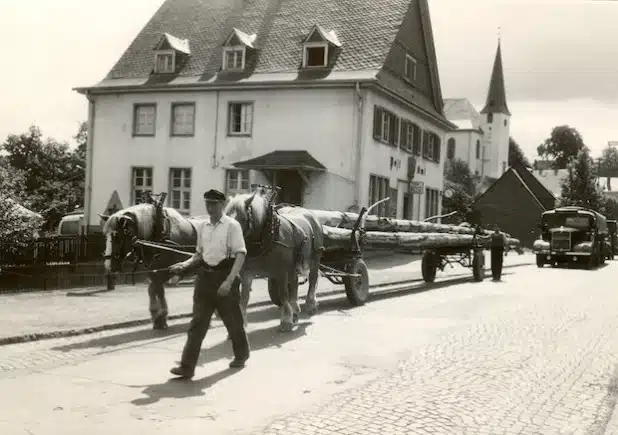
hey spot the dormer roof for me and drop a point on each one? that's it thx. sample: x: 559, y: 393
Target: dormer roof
x: 242, y: 37
x: 170, y: 42
x: 330, y: 37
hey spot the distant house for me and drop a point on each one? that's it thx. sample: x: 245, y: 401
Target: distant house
x: 515, y: 202
x: 551, y: 179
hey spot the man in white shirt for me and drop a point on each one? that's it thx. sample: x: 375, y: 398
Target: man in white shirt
x: 220, y: 255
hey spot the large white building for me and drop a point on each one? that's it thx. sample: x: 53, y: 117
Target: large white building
x: 482, y: 139
x: 337, y: 102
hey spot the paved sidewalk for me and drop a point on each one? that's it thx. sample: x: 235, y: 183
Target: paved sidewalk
x: 48, y: 312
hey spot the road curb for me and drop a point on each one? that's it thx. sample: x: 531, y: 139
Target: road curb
x: 38, y: 336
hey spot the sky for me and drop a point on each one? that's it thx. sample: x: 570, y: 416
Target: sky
x: 560, y: 60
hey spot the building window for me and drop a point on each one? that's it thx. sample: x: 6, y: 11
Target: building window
x: 385, y: 126
x: 478, y: 149
x: 233, y: 58
x: 240, y: 120
x: 417, y: 143
x: 450, y: 149
x: 378, y: 189
x: 236, y: 181
x: 183, y: 119
x: 165, y: 62
x: 144, y: 119
x: 315, y: 55
x: 490, y: 118
x: 431, y: 146
x: 180, y: 189
x: 141, y: 182
x: 406, y: 137
x: 410, y: 68
x: 431, y: 202
x: 505, y: 122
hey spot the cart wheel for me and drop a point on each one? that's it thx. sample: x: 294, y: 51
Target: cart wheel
x: 272, y: 292
x: 429, y: 266
x: 357, y: 288
x: 478, y: 263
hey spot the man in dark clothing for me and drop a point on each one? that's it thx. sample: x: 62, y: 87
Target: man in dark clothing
x: 498, y: 244
x: 219, y: 255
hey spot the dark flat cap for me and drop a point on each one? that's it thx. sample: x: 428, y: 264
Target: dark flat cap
x: 214, y: 195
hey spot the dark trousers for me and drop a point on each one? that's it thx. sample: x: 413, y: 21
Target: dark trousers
x: 205, y: 302
x: 497, y: 257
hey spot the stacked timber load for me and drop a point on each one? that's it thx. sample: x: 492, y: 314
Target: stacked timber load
x: 408, y: 240
x: 346, y: 220
x: 387, y: 233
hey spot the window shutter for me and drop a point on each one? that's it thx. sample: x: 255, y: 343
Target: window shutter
x: 425, y: 143
x: 438, y: 146
x: 403, y: 134
x: 393, y: 133
x: 377, y: 122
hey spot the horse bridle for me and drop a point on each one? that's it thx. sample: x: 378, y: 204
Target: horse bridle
x: 270, y: 227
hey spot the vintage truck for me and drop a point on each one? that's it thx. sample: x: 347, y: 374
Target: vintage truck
x: 571, y: 235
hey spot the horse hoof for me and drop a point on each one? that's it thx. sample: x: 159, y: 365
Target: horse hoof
x: 286, y: 327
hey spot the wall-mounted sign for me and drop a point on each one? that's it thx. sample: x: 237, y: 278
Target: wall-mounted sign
x: 417, y: 187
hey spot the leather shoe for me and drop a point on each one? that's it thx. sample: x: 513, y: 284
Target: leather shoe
x: 237, y: 363
x: 182, y: 372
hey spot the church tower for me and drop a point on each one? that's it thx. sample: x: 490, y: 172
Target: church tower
x: 496, y: 123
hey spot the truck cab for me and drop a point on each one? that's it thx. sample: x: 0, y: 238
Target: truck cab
x: 571, y: 235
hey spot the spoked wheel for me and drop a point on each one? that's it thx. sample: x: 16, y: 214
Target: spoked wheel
x: 273, y: 293
x: 357, y: 287
x: 478, y: 265
x: 429, y: 266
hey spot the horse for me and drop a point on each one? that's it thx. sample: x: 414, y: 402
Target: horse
x: 281, y: 247
x: 149, y: 222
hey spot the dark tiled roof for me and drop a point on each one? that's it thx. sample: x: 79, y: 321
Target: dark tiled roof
x: 496, y: 95
x: 283, y: 160
x: 366, y: 28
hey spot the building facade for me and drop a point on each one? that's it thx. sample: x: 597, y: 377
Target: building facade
x: 482, y: 139
x: 273, y: 93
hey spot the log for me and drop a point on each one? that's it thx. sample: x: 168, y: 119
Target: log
x: 374, y: 223
x: 340, y: 238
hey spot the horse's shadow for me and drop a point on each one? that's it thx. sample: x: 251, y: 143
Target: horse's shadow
x: 178, y: 388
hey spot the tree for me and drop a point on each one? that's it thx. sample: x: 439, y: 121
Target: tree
x: 53, y: 174
x: 609, y: 164
x: 580, y: 187
x: 17, y: 224
x: 516, y: 155
x: 460, y: 180
x: 563, y: 143
x: 81, y: 138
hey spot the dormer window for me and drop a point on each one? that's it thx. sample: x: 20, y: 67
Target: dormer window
x: 165, y: 62
x: 317, y: 47
x: 235, y: 50
x: 168, y: 52
x: 410, y: 68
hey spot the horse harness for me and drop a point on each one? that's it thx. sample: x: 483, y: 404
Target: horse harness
x: 270, y: 235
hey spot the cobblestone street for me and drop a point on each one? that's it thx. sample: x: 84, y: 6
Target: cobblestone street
x: 534, y: 354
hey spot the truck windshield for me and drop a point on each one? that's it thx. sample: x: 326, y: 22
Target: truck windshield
x: 573, y: 221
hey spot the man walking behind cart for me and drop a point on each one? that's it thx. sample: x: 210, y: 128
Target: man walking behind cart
x: 498, y: 244
x: 219, y: 257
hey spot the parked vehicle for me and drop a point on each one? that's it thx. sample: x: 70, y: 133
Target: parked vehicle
x: 70, y: 225
x: 574, y: 235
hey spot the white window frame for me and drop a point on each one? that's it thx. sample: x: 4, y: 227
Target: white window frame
x: 246, y: 115
x: 173, y: 131
x: 147, y: 172
x: 136, y: 115
x: 171, y: 68
x: 409, y: 136
x: 234, y: 49
x: 383, y: 185
x: 310, y: 45
x: 184, y: 191
x: 406, y: 72
x: 237, y: 176
x: 386, y: 126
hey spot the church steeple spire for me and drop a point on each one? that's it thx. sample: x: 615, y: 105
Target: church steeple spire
x: 496, y: 95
